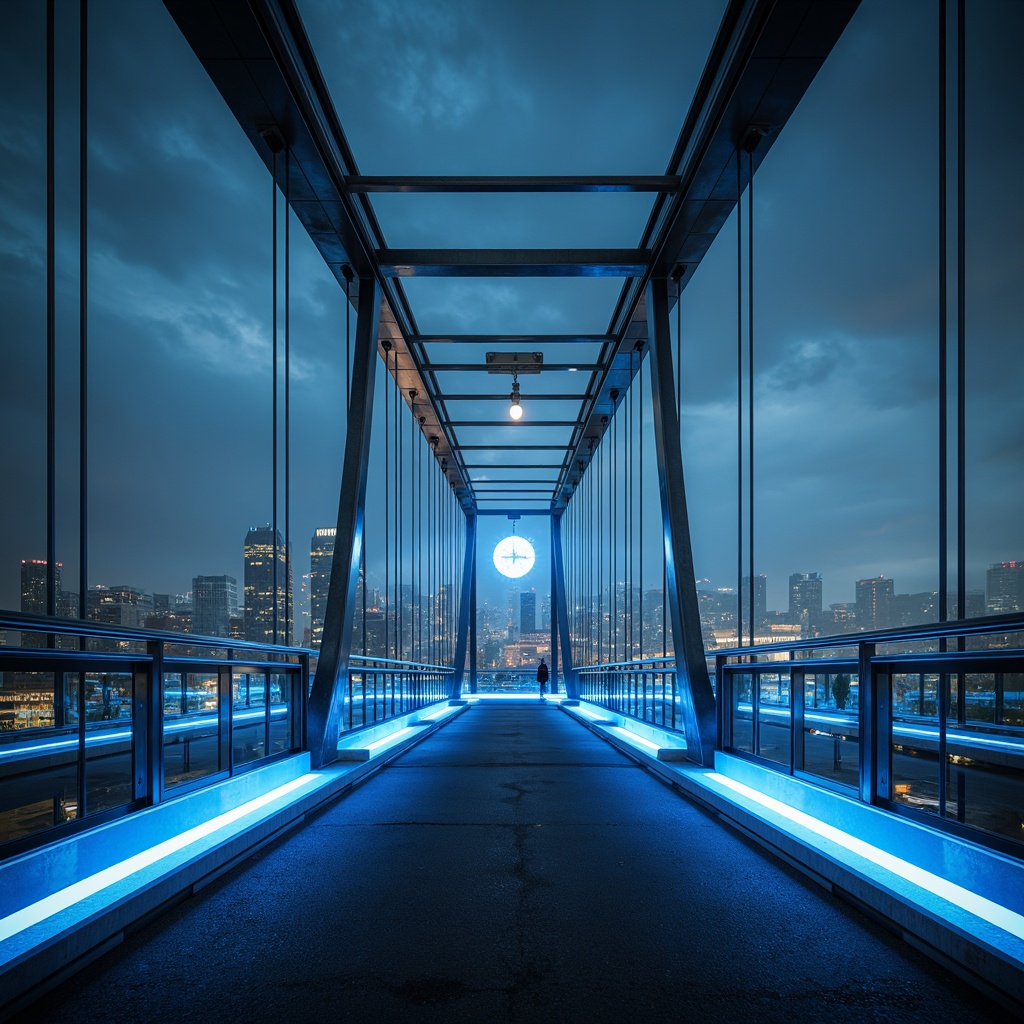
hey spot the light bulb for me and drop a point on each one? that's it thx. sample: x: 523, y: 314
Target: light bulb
x: 516, y: 411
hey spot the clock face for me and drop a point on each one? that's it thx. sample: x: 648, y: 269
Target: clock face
x: 513, y: 557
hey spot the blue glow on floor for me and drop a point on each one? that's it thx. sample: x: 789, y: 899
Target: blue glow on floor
x: 86, y: 887
x: 392, y: 737
x: 634, y: 740
x: 999, y: 916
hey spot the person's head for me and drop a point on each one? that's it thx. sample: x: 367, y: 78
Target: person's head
x: 542, y: 661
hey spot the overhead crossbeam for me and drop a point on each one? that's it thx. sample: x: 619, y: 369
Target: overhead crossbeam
x: 522, y: 423
x: 503, y: 397
x: 509, y: 448
x: 511, y: 339
x: 511, y: 465
x: 512, y: 183
x: 475, y: 367
x: 513, y: 262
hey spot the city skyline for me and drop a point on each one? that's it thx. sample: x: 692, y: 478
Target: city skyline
x: 875, y: 605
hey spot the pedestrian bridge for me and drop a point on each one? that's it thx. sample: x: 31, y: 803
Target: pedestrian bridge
x: 717, y: 811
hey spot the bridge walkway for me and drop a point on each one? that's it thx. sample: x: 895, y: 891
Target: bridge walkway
x: 513, y: 867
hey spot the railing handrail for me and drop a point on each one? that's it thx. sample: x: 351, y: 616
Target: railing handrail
x: 397, y: 664
x: 104, y: 631
x: 928, y: 631
x: 634, y: 665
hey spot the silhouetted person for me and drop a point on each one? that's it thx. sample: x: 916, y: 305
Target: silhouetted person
x: 542, y: 677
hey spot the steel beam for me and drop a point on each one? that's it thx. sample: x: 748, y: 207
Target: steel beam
x: 511, y: 183
x: 476, y: 368
x: 507, y: 511
x: 511, y: 465
x: 465, y: 607
x: 697, y: 697
x: 530, y: 340
x: 336, y: 647
x: 511, y: 447
x: 560, y: 611
x: 513, y: 262
x: 521, y: 423
x: 466, y: 396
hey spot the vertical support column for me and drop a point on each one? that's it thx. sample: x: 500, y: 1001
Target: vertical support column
x: 553, y: 617
x: 336, y: 647
x: 467, y: 611
x: 696, y: 696
x: 561, y: 610
x: 472, y: 627
x: 875, y: 720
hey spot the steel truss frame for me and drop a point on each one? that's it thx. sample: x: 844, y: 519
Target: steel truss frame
x: 763, y: 59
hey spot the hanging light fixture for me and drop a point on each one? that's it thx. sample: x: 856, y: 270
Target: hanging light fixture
x: 515, y: 409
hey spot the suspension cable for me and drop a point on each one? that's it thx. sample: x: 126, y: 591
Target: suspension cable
x: 739, y: 400
x: 288, y: 625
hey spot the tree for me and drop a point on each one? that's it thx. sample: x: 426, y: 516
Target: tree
x: 841, y: 690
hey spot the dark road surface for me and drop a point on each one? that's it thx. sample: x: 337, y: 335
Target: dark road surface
x: 513, y: 868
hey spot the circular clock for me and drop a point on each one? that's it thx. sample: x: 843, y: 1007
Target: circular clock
x: 513, y: 557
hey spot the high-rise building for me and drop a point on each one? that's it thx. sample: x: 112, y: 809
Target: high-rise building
x: 805, y: 600
x: 915, y: 609
x: 875, y: 603
x: 321, y: 558
x: 33, y: 584
x: 120, y: 605
x: 1004, y: 588
x: 214, y: 601
x: 261, y: 599
x: 527, y: 612
x: 33, y: 599
x: 514, y: 615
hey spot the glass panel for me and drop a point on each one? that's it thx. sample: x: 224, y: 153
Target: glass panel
x: 38, y: 762
x: 775, y: 718
x: 283, y: 717
x: 984, y: 764
x: 984, y: 781
x: 108, y: 740
x: 249, y: 725
x: 994, y: 259
x: 23, y: 300
x: 202, y: 299
x: 1012, y: 698
x: 742, y: 712
x: 191, y: 727
x: 915, y: 741
x: 27, y: 700
x: 831, y: 735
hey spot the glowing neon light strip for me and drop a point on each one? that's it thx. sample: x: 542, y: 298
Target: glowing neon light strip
x: 636, y: 741
x: 594, y: 716
x: 986, y: 909
x: 437, y: 715
x: 86, y: 887
x: 392, y: 737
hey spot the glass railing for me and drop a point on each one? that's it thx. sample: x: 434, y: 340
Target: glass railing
x: 98, y: 721
x: 927, y: 722
x: 644, y: 689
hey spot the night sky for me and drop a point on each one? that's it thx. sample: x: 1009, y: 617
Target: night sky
x: 846, y: 277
